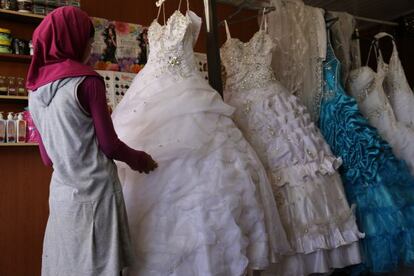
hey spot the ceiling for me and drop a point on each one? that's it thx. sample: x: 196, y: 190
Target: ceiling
x: 376, y: 9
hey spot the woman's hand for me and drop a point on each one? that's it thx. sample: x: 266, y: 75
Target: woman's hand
x: 146, y: 164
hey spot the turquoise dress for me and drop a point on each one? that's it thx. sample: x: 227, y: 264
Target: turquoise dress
x: 376, y: 182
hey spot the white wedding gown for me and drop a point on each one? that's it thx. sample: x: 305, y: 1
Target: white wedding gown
x: 367, y: 87
x: 396, y: 87
x: 208, y: 208
x: 319, y: 223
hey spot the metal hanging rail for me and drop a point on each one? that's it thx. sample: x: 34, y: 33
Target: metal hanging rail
x: 382, y: 22
x: 213, y: 50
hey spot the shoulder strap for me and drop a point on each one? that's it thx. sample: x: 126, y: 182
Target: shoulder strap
x: 188, y: 5
x: 264, y: 20
x: 373, y: 46
x: 160, y: 4
x: 227, y: 30
x: 381, y: 35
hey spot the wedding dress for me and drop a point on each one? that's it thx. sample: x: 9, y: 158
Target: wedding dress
x: 319, y: 223
x: 208, y: 208
x: 397, y: 88
x: 367, y: 87
x: 379, y: 184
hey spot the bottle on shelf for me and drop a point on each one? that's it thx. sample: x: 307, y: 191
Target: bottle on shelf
x: 21, y: 126
x: 11, y: 128
x: 2, y: 128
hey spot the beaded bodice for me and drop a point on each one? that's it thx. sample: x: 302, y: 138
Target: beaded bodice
x: 332, y: 74
x: 248, y: 65
x: 366, y: 86
x: 171, y: 44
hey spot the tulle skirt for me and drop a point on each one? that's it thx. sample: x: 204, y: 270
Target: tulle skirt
x: 375, y: 181
x: 319, y: 223
x: 208, y: 208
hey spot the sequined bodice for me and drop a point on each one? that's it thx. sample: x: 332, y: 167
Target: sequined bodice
x: 171, y: 44
x: 248, y: 65
x: 366, y: 86
x: 332, y: 73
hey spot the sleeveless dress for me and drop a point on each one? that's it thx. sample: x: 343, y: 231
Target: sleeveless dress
x: 366, y: 86
x: 396, y: 86
x: 319, y: 223
x: 87, y: 230
x: 375, y: 180
x: 208, y: 208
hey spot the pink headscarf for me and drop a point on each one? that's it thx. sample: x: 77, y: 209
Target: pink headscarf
x: 59, y: 44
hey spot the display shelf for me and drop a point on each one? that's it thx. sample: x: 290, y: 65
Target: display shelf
x: 14, y: 98
x: 21, y: 17
x: 18, y: 144
x: 16, y: 58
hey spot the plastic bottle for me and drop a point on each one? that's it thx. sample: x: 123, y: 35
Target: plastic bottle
x: 11, y: 128
x: 21, y: 129
x: 2, y: 128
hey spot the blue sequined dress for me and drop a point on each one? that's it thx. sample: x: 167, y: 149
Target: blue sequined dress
x: 375, y: 181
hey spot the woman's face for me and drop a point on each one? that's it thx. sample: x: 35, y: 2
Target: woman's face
x: 88, y: 49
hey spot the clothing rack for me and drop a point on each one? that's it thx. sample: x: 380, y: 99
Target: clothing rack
x: 213, y: 50
x: 382, y: 22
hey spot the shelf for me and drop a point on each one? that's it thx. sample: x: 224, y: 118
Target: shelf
x: 16, y: 98
x: 18, y: 145
x: 16, y: 58
x: 19, y: 16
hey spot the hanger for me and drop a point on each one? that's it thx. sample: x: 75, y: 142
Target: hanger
x: 330, y: 21
x: 158, y: 3
x: 239, y: 9
x: 229, y: 21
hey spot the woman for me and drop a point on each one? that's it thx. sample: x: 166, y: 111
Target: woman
x: 110, y: 41
x: 87, y: 231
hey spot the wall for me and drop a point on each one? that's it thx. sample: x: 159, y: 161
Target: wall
x: 24, y: 181
x: 145, y: 12
x: 405, y: 44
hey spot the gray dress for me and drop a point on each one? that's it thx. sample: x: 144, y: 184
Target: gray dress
x: 87, y: 231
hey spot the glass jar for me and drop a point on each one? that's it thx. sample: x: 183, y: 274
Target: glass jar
x: 5, y: 49
x: 3, y: 86
x: 21, y: 88
x: 11, y: 87
x: 25, y: 6
x: 9, y: 5
x: 5, y: 37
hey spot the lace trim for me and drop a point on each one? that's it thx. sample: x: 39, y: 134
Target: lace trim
x: 336, y: 232
x: 302, y: 174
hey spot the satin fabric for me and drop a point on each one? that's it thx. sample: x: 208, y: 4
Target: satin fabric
x: 375, y: 181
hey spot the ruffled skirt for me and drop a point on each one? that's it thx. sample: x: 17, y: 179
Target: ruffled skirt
x: 320, y: 224
x: 208, y: 208
x: 377, y: 182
